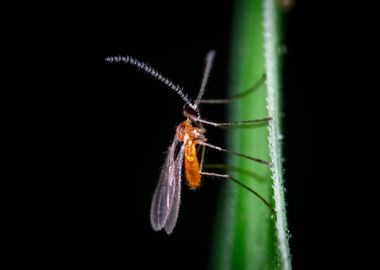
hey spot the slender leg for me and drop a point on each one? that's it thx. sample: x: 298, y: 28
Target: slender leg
x: 202, y: 158
x: 235, y: 123
x: 227, y: 176
x: 235, y: 153
x: 232, y: 98
x: 241, y: 171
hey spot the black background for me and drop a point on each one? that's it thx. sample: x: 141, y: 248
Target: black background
x: 93, y: 135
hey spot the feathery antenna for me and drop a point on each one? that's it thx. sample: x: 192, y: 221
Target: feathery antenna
x: 152, y: 72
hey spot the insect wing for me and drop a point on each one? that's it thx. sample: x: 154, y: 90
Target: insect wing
x: 173, y: 214
x: 162, y: 203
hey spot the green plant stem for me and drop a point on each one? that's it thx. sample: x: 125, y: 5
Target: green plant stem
x: 272, y: 62
x: 247, y: 233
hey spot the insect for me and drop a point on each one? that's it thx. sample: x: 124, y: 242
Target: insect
x: 182, y: 155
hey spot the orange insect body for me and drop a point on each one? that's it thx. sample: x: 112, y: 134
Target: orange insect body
x: 191, y: 136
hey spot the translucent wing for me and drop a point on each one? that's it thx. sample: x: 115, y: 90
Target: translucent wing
x: 173, y: 214
x: 165, y: 201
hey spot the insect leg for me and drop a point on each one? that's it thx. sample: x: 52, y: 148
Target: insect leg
x: 236, y: 153
x: 227, y: 176
x: 235, y: 123
x: 240, y: 95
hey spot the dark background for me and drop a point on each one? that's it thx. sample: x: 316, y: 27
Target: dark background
x: 93, y: 135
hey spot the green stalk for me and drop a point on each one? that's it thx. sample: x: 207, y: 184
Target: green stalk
x: 248, y: 235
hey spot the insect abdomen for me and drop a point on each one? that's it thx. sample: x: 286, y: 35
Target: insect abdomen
x: 192, y: 173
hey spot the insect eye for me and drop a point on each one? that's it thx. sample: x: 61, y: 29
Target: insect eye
x: 187, y: 110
